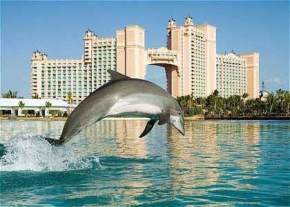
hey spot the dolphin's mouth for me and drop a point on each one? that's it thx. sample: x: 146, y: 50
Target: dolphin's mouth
x: 181, y: 131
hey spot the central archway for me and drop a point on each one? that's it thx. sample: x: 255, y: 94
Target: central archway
x: 171, y: 74
x: 132, y: 58
x: 132, y: 61
x: 168, y: 60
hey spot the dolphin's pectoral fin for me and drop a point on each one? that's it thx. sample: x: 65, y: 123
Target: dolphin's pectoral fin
x: 163, y: 118
x: 148, y: 127
x: 117, y: 76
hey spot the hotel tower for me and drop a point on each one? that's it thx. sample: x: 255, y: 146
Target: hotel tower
x: 190, y: 60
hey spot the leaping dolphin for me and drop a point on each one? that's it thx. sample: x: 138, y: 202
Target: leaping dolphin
x: 123, y: 96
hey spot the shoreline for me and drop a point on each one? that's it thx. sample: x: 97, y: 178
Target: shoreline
x: 59, y: 118
x: 188, y: 118
x: 250, y: 118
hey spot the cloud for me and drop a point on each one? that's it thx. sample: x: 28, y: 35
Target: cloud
x: 277, y: 82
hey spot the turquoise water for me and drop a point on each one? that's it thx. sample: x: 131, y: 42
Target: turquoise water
x: 231, y: 163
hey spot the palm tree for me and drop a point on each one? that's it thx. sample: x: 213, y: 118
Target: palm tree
x: 13, y: 94
x: 10, y: 94
x: 278, y: 103
x: 215, y: 93
x: 35, y: 96
x: 245, y: 95
x: 243, y: 104
x: 189, y: 105
x: 234, y: 104
x: 47, y: 106
x: 69, y: 97
x: 287, y: 102
x: 259, y: 107
x: 270, y: 102
x: 21, y: 104
x: 183, y: 101
x: 214, y: 104
x: 282, y: 102
x: 69, y: 100
x: 249, y: 107
x: 200, y: 101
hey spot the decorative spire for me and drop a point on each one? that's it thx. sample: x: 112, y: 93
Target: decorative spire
x: 171, y: 23
x: 89, y: 33
x: 38, y: 55
x: 188, y: 21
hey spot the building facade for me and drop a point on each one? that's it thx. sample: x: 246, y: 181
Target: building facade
x: 74, y: 79
x: 190, y: 61
x: 196, y: 49
x: 33, y: 107
x: 131, y: 51
x: 237, y: 74
x: 252, y: 73
x: 230, y: 75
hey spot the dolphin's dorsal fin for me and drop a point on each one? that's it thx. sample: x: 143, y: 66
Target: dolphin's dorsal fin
x: 117, y: 76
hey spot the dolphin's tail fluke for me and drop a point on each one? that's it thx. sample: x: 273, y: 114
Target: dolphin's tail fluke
x: 55, y: 142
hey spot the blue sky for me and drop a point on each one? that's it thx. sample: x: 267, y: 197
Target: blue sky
x: 57, y: 28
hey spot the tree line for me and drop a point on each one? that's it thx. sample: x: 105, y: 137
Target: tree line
x: 10, y: 94
x: 13, y: 94
x: 269, y: 104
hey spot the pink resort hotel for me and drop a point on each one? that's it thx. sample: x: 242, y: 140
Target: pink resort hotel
x: 190, y: 60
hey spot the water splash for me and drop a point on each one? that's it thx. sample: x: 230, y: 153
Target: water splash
x: 33, y: 153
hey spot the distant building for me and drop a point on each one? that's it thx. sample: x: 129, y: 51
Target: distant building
x: 41, y: 107
x: 230, y: 75
x: 196, y: 48
x: 62, y: 78
x: 252, y: 73
x: 189, y: 58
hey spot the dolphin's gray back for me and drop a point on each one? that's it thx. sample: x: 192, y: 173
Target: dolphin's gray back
x: 98, y: 104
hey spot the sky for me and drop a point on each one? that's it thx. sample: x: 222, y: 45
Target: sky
x: 57, y: 28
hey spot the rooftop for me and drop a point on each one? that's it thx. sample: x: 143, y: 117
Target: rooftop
x: 14, y: 102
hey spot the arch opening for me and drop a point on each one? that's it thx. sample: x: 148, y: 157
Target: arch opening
x: 170, y: 74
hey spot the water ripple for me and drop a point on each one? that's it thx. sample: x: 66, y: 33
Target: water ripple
x: 217, y: 163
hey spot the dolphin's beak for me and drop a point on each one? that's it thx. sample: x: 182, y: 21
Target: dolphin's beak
x: 181, y: 129
x: 178, y: 123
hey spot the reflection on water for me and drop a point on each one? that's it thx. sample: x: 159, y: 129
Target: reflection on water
x: 9, y: 129
x: 118, y: 138
x: 193, y: 158
x: 237, y: 162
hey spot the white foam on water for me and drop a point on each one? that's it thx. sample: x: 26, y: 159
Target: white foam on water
x: 33, y: 153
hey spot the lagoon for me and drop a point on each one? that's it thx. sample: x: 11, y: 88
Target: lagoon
x: 235, y: 163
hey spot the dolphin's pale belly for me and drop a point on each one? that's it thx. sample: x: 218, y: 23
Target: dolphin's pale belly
x: 131, y: 107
